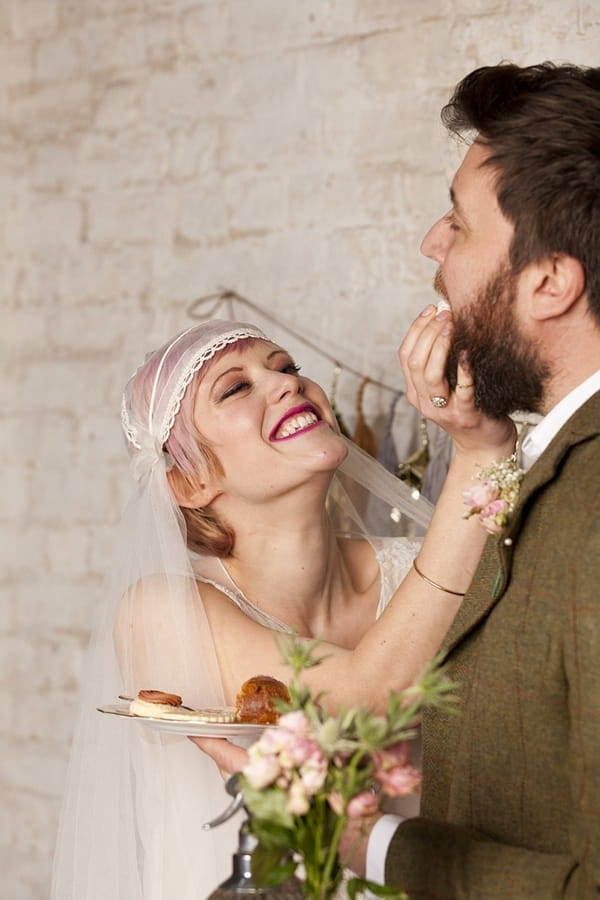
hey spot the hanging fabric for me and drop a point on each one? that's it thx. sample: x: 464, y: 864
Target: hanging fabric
x: 387, y: 455
x: 412, y: 470
x: 204, y: 308
x: 363, y: 435
x: 441, y: 454
x: 332, y: 400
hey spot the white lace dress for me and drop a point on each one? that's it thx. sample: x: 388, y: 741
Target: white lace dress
x: 395, y: 556
x: 161, y: 849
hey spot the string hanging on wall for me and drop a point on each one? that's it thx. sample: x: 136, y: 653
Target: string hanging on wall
x: 363, y: 434
x: 413, y: 470
x: 206, y: 307
x: 337, y: 369
x: 225, y: 299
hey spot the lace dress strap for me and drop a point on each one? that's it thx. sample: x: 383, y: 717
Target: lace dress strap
x: 213, y: 572
x: 394, y: 556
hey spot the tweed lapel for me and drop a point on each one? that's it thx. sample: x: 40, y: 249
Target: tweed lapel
x: 493, y: 573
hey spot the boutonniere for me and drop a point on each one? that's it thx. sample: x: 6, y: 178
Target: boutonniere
x: 494, y: 498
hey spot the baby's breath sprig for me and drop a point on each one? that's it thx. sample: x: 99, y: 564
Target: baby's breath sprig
x: 494, y: 498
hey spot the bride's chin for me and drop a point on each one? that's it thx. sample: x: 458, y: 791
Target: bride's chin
x: 332, y: 455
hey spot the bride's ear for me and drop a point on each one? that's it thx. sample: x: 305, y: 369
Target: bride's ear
x: 192, y: 494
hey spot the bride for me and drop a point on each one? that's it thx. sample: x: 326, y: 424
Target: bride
x: 244, y: 523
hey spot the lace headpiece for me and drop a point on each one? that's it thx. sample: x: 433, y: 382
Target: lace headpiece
x: 149, y: 406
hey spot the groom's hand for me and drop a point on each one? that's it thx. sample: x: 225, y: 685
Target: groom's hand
x: 353, y: 845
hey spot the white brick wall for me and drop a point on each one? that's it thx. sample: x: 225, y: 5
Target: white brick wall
x: 151, y: 151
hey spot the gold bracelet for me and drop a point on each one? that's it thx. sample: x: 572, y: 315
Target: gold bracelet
x: 434, y: 583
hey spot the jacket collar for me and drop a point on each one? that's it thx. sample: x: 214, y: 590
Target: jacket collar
x: 493, y: 572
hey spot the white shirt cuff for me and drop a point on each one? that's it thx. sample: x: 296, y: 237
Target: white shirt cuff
x: 377, y: 846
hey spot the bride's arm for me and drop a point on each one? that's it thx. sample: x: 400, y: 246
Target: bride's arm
x: 394, y: 650
x: 411, y: 629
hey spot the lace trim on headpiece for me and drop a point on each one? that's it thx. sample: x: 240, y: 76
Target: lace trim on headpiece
x: 149, y: 441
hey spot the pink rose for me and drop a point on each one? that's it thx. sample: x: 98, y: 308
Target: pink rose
x: 297, y: 798
x: 494, y: 516
x: 298, y: 751
x: 395, y: 755
x: 302, y: 749
x: 393, y: 771
x: 275, y: 740
x: 480, y: 495
x: 261, y: 770
x: 295, y: 721
x: 291, y: 747
x: 364, y: 804
x: 399, y: 781
x: 314, y: 772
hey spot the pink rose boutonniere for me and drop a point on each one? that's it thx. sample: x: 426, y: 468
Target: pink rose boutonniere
x: 494, y: 498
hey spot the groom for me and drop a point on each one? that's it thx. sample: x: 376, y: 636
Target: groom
x: 511, y: 793
x: 511, y: 799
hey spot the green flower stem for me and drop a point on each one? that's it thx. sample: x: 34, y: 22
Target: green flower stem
x: 348, y: 744
x: 332, y: 857
x: 321, y: 865
x: 323, y: 881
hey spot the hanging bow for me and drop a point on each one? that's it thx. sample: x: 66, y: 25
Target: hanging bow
x: 146, y: 458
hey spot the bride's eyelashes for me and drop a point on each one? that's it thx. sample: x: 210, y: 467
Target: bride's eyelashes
x: 234, y: 389
x: 289, y: 368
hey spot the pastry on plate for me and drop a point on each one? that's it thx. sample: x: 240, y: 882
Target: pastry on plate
x: 254, y: 701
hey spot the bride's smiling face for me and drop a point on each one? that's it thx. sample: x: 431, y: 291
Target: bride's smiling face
x: 268, y: 426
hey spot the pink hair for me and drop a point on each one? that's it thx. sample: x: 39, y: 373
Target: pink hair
x: 192, y: 456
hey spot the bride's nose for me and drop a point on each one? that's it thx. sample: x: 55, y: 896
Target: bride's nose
x: 284, y: 383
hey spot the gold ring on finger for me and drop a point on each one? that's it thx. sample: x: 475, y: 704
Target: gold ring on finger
x: 439, y: 402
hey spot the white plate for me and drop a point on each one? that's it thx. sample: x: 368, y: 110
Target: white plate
x: 192, y: 727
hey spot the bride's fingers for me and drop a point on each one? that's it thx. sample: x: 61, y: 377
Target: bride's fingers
x: 412, y: 342
x: 465, y: 386
x: 423, y: 355
x: 228, y: 757
x: 416, y: 346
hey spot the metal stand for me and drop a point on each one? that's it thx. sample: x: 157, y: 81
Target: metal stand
x: 241, y: 880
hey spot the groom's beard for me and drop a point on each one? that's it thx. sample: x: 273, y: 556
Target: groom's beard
x: 506, y: 367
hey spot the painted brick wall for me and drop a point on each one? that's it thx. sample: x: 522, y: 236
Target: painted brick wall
x: 152, y: 151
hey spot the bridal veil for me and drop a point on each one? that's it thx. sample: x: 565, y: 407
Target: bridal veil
x: 135, y: 798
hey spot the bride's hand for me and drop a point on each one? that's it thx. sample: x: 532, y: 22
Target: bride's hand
x: 229, y: 757
x: 423, y: 354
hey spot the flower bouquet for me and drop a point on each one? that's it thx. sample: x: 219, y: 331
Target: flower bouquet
x: 310, y: 775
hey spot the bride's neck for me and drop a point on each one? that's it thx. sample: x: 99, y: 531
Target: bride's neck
x: 288, y: 563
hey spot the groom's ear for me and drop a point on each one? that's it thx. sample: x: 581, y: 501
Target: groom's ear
x: 556, y: 283
x: 192, y: 493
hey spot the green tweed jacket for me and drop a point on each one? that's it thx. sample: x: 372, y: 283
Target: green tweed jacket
x: 511, y: 793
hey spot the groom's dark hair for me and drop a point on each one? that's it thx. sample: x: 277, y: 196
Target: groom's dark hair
x: 542, y: 126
